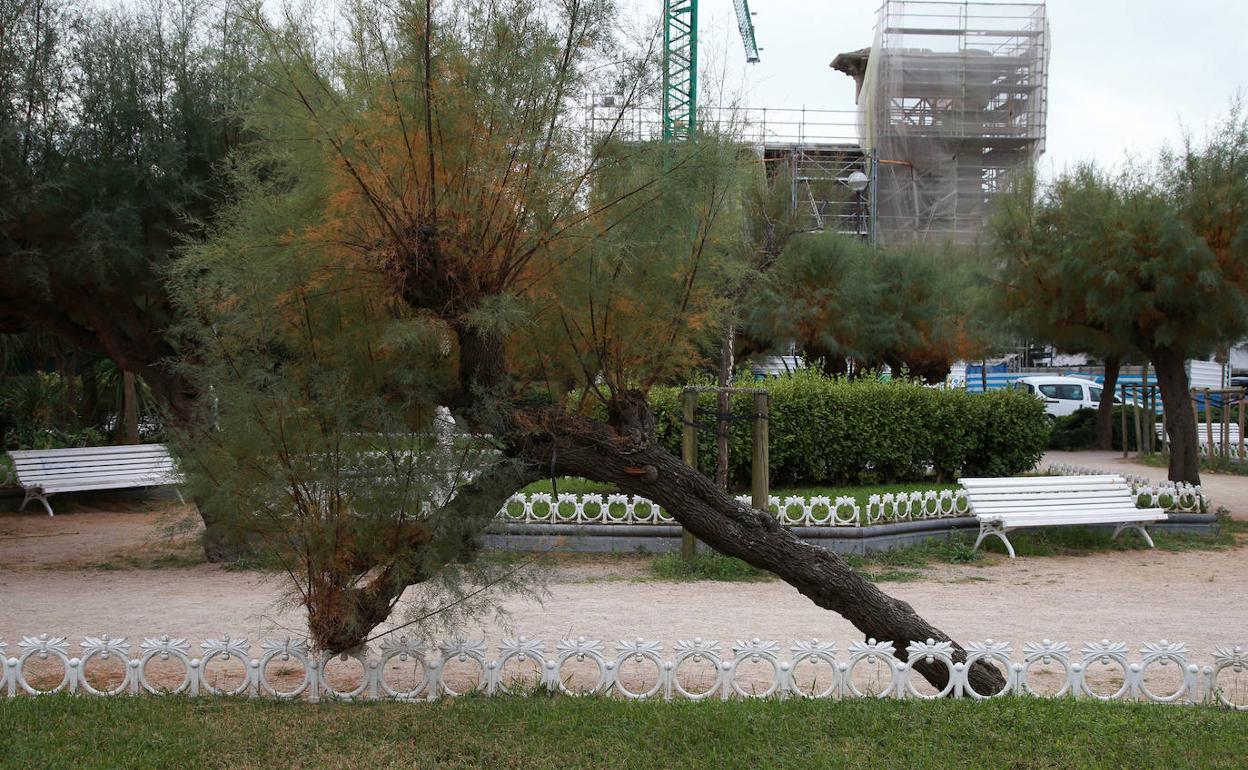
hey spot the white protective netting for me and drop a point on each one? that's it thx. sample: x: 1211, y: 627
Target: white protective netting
x: 953, y: 101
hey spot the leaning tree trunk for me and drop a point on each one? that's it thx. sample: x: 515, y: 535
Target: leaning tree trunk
x: 1105, y: 409
x: 629, y: 457
x: 1171, y: 366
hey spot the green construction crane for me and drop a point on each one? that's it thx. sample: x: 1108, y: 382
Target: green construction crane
x: 680, y: 63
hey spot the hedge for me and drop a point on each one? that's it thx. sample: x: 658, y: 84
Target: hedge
x: 1077, y: 430
x: 869, y: 431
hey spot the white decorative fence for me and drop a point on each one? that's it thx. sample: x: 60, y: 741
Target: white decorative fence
x: 816, y: 511
x: 794, y: 510
x: 749, y: 669
x: 1175, y: 496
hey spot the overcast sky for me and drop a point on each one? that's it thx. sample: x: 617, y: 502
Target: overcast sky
x: 1125, y: 75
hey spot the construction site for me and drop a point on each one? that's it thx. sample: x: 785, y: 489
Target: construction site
x: 951, y: 104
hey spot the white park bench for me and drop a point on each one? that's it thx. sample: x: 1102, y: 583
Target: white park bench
x: 1005, y: 504
x: 43, y: 472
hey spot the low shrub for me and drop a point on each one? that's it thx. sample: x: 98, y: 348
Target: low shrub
x: 869, y: 431
x: 1074, y: 431
x: 706, y: 565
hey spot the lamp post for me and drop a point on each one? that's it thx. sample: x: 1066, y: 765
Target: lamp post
x: 857, y: 182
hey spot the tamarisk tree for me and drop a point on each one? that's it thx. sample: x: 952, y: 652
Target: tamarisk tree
x: 1154, y: 260
x: 424, y: 221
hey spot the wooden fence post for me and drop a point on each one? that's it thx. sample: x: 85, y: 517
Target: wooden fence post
x: 1152, y: 420
x: 1241, y: 429
x: 1208, y: 426
x: 1126, y: 399
x: 1135, y: 410
x: 761, y: 465
x: 689, y: 453
x: 1225, y: 443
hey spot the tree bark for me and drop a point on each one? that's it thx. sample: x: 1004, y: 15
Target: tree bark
x: 1105, y: 409
x: 1172, y: 380
x: 130, y: 410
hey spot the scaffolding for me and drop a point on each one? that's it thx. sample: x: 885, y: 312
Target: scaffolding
x: 818, y: 150
x: 952, y: 101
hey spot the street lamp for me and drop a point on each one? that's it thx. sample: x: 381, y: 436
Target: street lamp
x: 857, y: 182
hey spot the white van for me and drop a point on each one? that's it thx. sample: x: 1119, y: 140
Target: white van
x: 1062, y: 395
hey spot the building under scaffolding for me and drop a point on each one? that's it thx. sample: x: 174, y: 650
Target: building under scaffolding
x: 952, y: 101
x: 815, y: 152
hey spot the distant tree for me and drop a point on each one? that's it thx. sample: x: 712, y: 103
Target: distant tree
x: 1037, y: 239
x: 1155, y: 260
x: 840, y: 299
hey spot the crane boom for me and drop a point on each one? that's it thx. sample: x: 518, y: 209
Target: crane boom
x: 745, y: 23
x: 680, y: 63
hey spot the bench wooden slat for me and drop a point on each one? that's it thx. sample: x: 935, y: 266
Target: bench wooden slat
x: 1059, y: 521
x: 1041, y: 481
x: 90, y: 450
x: 154, y: 479
x: 57, y: 473
x: 1072, y: 508
x: 1087, y: 494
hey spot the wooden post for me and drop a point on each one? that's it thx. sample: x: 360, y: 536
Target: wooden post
x: 1135, y: 410
x: 1225, y: 443
x: 1165, y: 436
x: 1196, y: 416
x: 1241, y: 429
x: 1152, y: 420
x: 761, y: 465
x: 689, y: 453
x: 1126, y: 399
x: 1208, y: 425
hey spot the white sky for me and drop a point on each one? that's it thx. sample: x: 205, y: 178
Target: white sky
x: 1125, y: 75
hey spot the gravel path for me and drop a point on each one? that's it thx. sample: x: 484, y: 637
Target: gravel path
x: 1133, y: 596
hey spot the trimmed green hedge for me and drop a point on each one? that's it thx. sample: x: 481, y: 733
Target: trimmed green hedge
x: 869, y: 431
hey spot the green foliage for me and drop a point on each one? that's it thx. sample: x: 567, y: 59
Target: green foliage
x: 1154, y: 260
x: 706, y: 565
x: 1074, y: 431
x: 835, y: 432
x: 569, y: 733
x: 34, y: 414
x: 840, y: 298
x: 114, y: 125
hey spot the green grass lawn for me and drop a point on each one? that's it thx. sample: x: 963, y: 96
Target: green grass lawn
x: 514, y: 733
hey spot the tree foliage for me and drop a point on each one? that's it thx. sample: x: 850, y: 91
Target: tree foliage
x: 113, y: 126
x: 424, y: 220
x: 1154, y: 260
x: 841, y: 299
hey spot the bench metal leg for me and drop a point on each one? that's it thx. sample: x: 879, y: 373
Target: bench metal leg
x: 181, y: 499
x: 35, y: 496
x: 1137, y: 527
x: 987, y: 528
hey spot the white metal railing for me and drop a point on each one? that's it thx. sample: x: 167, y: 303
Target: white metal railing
x: 692, y: 669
